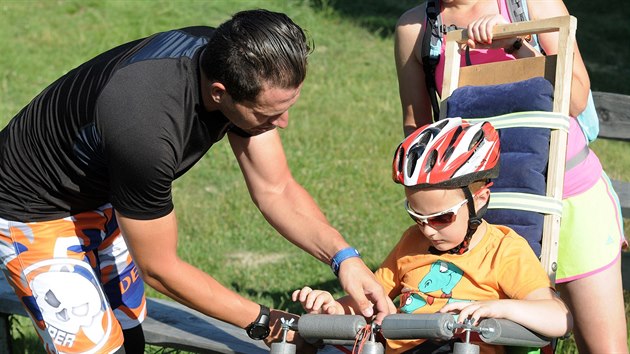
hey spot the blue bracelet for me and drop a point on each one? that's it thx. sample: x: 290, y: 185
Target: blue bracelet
x: 341, y: 256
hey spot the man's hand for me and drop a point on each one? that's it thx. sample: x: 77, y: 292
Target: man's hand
x: 359, y: 282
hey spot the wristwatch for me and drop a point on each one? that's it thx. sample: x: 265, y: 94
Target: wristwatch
x: 259, y: 329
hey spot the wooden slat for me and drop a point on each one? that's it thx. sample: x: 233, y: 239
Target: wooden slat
x: 625, y: 270
x: 558, y: 142
x: 613, y: 110
x: 614, y: 115
x: 623, y: 191
x: 504, y: 71
x: 173, y: 325
x: 509, y: 30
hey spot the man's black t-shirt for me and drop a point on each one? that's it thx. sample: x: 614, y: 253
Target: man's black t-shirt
x: 119, y: 128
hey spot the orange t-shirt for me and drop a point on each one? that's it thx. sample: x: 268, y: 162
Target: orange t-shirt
x: 500, y: 266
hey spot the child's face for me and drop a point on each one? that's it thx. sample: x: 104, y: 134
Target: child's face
x: 443, y: 232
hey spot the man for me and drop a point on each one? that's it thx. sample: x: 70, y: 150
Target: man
x: 92, y: 158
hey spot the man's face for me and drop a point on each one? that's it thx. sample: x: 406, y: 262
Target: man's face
x: 268, y: 111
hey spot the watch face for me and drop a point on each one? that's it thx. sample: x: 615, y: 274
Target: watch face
x: 258, y: 331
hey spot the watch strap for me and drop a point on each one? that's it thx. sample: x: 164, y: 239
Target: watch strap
x: 263, y: 315
x: 262, y: 321
x: 341, y: 256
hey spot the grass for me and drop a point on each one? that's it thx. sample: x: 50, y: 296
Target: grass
x: 339, y: 143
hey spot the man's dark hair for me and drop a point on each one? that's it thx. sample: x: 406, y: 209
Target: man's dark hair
x: 253, y: 48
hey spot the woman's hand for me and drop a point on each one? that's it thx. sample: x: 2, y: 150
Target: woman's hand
x: 317, y: 301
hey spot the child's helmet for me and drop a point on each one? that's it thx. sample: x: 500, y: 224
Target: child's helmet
x: 448, y: 153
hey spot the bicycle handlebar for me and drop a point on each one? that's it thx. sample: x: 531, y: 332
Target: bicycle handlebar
x: 417, y: 326
x: 506, y: 332
x: 413, y: 326
x: 340, y: 327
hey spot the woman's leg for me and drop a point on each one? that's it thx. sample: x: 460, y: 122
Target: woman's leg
x: 597, y: 305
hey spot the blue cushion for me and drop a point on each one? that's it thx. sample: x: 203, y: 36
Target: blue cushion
x: 534, y: 94
x: 524, y: 151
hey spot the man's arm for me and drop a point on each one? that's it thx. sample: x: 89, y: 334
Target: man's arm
x: 293, y: 213
x: 285, y: 204
x: 153, y: 246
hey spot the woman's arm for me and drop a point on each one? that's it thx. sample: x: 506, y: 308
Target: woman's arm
x: 414, y: 98
x: 549, y: 42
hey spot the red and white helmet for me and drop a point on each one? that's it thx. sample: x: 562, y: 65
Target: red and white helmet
x: 448, y: 153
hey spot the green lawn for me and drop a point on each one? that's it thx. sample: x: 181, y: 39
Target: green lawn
x: 339, y: 143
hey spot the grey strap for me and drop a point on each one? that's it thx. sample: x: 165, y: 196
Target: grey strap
x: 577, y: 158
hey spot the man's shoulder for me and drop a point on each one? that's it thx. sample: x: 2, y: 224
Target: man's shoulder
x: 197, y: 31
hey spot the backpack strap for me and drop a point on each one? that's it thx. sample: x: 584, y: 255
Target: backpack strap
x: 430, y: 56
x: 434, y: 31
x: 517, y: 12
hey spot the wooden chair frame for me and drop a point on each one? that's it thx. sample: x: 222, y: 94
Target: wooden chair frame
x: 557, y: 69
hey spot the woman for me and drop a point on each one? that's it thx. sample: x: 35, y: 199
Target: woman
x: 600, y: 325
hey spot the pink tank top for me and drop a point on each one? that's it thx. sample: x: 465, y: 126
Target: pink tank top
x: 579, y: 178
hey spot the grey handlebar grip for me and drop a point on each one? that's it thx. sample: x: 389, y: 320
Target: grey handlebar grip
x: 505, y: 332
x: 415, y: 326
x: 330, y: 326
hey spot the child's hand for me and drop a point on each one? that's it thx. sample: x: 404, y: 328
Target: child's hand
x: 317, y: 301
x: 476, y: 310
x: 480, y: 32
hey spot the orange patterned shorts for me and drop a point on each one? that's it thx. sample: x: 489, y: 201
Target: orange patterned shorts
x: 76, y: 280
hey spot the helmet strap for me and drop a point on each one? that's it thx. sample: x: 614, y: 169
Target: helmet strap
x: 474, y: 220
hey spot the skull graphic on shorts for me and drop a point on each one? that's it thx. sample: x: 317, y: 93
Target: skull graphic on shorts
x: 68, y: 301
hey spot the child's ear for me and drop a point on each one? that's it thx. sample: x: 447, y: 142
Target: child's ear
x: 482, y: 198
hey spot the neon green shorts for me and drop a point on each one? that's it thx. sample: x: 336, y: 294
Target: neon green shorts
x: 591, y: 232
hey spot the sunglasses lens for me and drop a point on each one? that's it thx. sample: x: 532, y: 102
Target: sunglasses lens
x: 442, y: 220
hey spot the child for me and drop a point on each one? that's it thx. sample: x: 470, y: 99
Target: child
x: 451, y: 260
